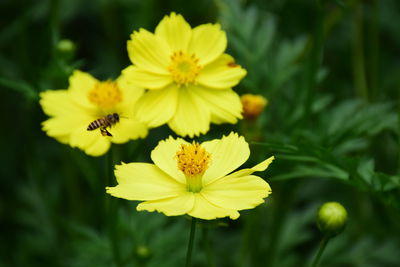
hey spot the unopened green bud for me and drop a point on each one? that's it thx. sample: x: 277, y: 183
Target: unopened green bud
x: 331, y: 218
x: 143, y: 252
x: 66, y: 46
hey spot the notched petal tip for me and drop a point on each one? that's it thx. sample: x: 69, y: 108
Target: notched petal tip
x: 262, y: 166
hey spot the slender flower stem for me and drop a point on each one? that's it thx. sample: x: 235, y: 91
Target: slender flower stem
x: 359, y: 75
x: 374, y: 43
x: 191, y: 242
x: 111, y: 208
x: 206, y: 240
x: 321, y: 249
x: 315, y: 59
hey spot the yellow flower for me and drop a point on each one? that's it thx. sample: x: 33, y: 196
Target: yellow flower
x: 194, y: 179
x: 187, y: 74
x: 86, y: 102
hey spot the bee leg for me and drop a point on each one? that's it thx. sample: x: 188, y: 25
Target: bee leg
x: 104, y: 132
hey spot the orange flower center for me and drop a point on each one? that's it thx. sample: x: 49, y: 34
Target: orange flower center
x: 105, y: 94
x: 193, y: 161
x: 184, y: 68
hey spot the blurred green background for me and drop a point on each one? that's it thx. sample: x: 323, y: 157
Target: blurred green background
x: 331, y: 73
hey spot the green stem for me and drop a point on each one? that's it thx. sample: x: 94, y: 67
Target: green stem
x: 360, y: 82
x: 374, y: 51
x: 314, y: 61
x: 321, y: 249
x: 207, y: 245
x: 280, y: 212
x: 111, y: 210
x: 191, y: 242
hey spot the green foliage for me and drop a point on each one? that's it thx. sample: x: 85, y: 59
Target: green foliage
x: 331, y: 141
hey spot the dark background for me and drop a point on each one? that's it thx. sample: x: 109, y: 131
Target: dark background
x: 331, y: 73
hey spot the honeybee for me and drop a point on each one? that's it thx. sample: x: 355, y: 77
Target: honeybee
x: 104, y: 122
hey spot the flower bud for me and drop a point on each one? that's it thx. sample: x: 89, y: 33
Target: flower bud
x: 66, y: 49
x: 142, y: 252
x: 331, y: 218
x: 253, y: 105
x: 65, y: 45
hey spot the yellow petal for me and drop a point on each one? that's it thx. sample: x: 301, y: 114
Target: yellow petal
x: 66, y: 114
x: 126, y: 129
x: 192, y: 117
x: 149, y: 52
x: 91, y: 142
x: 173, y: 206
x: 59, y: 127
x: 223, y: 73
x: 175, y: 30
x: 99, y: 147
x: 64, y: 139
x: 131, y: 93
x: 205, y: 210
x: 227, y: 154
x: 146, y: 79
x: 164, y: 157
x: 56, y: 102
x: 224, y: 105
x: 144, y: 181
x: 262, y: 166
x: 157, y: 107
x: 80, y: 83
x: 208, y: 42
x: 237, y: 193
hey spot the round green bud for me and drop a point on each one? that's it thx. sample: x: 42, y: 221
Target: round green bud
x: 331, y: 218
x: 66, y: 46
x: 143, y: 251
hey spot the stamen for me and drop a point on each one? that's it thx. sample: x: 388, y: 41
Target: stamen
x: 184, y: 68
x: 105, y: 94
x: 193, y: 161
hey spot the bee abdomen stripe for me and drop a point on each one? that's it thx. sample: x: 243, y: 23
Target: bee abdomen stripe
x: 94, y: 125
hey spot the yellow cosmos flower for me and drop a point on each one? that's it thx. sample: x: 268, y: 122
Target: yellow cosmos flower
x: 187, y: 74
x: 89, y: 110
x: 194, y: 179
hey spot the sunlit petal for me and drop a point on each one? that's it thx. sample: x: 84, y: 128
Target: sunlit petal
x: 224, y: 105
x: 227, y: 154
x: 144, y: 181
x: 238, y: 193
x: 91, y: 142
x: 146, y: 79
x: 223, y: 73
x: 208, y: 42
x: 205, y: 210
x: 164, y: 156
x: 175, y: 30
x: 262, y: 166
x: 191, y: 117
x: 173, y: 206
x: 157, y: 107
x: 149, y: 52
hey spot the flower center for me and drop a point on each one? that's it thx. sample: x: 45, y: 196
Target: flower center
x: 193, y: 161
x: 105, y: 94
x: 184, y: 68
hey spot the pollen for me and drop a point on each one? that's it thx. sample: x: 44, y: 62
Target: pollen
x: 192, y: 159
x: 105, y: 94
x: 184, y: 68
